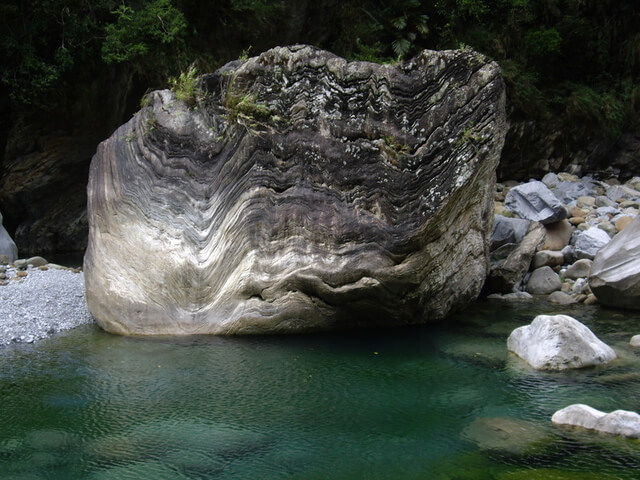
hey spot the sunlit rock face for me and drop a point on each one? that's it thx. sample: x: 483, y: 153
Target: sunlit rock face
x: 299, y: 191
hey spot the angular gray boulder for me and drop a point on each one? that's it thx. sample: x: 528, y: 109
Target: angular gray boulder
x: 510, y: 263
x: 508, y: 230
x: 558, y: 342
x: 615, y: 272
x: 7, y: 245
x: 588, y: 243
x: 534, y: 201
x: 298, y: 191
x: 620, y: 422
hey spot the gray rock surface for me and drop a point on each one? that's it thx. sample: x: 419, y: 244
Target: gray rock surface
x: 558, y: 342
x: 615, y: 273
x: 508, y: 230
x: 305, y: 192
x: 508, y: 270
x: 543, y: 281
x: 547, y: 258
x: 41, y: 304
x: 620, y: 422
x: 635, y: 341
x: 534, y: 201
x: 589, y: 242
x: 579, y: 269
x: 510, y: 296
x: 562, y: 298
x: 7, y: 245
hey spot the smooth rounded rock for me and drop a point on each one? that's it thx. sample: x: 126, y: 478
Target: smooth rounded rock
x: 558, y: 342
x: 615, y: 273
x: 543, y: 281
x: 579, y: 269
x: 36, y: 261
x: 305, y: 192
x: 619, y: 422
x: 547, y: 258
x: 557, y: 235
x: 562, y: 298
x: 635, y: 341
x: 623, y: 222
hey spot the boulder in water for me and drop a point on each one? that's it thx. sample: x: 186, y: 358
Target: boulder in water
x: 298, y: 191
x: 558, y: 342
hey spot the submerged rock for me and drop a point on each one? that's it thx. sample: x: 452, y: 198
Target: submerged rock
x: 619, y: 422
x: 304, y: 192
x: 558, y: 342
x: 615, y: 272
x: 506, y: 434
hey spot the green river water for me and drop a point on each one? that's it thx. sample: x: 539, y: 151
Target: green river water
x: 431, y: 402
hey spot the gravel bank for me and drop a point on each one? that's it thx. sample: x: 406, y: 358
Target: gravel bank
x: 41, y: 304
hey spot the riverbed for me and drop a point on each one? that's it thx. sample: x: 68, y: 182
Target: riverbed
x: 427, y: 402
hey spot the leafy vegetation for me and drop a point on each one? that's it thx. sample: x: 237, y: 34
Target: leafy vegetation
x: 567, y: 61
x: 185, y: 85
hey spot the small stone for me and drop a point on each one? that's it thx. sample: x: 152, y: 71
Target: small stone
x: 576, y: 220
x: 623, y: 222
x: 577, y: 212
x: 568, y: 177
x: 585, y: 201
x: 20, y: 263
x: 581, y: 298
x: 566, y: 287
x: 591, y: 299
x: 3, y: 276
x: 547, y: 258
x: 21, y: 274
x: 628, y: 204
x: 608, y: 227
x: 635, y: 341
x: 612, y: 181
x: 557, y: 235
x: 4, y: 260
x: 562, y: 298
x: 603, y: 201
x: 550, y: 180
x: 579, y: 286
x: 36, y: 261
x: 543, y: 281
x: 579, y: 269
x: 44, y: 268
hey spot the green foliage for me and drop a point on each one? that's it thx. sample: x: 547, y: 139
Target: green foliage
x: 185, y: 85
x: 543, y: 41
x: 136, y: 31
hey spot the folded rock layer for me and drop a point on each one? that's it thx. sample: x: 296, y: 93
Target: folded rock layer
x: 298, y: 191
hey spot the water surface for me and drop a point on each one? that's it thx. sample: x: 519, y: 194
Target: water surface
x: 427, y: 402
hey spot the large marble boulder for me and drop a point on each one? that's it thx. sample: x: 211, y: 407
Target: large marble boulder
x: 298, y: 191
x: 8, y: 247
x: 558, y: 342
x: 620, y: 422
x: 615, y: 272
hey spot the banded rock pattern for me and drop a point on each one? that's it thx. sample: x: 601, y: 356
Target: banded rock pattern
x: 299, y: 191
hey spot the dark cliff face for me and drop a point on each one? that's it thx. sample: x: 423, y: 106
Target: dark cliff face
x: 298, y: 191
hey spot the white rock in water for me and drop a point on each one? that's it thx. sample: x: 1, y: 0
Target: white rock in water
x: 558, y: 342
x: 619, y: 422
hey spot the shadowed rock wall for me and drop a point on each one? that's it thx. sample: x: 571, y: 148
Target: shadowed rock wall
x: 297, y: 192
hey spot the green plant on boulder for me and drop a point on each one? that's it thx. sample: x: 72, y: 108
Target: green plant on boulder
x: 185, y: 85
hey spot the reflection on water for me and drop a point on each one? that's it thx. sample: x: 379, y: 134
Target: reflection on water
x: 431, y: 402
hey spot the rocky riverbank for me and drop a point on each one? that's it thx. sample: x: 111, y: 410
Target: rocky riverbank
x: 548, y: 233
x: 39, y: 301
